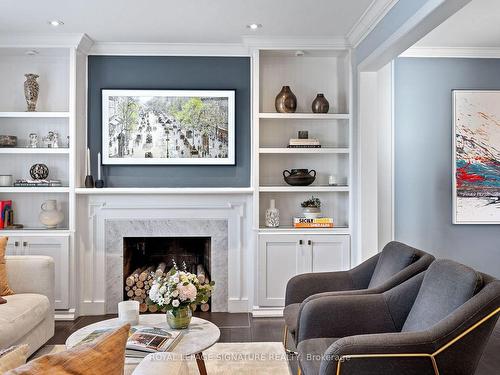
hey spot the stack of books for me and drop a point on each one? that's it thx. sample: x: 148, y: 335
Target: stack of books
x: 304, y: 143
x: 6, y: 214
x: 38, y: 183
x: 320, y: 222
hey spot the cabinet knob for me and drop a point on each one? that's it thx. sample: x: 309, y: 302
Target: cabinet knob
x: 16, y: 244
x: 309, y: 242
x: 300, y: 242
x: 25, y: 243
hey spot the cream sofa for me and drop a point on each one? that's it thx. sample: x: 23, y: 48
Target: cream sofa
x: 28, y: 315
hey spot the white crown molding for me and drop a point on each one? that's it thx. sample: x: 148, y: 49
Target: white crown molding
x: 85, y: 44
x: 169, y: 49
x: 29, y: 40
x: 368, y: 20
x: 453, y: 52
x: 217, y: 49
x: 286, y: 42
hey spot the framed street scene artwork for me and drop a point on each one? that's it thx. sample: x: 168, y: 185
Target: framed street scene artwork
x: 168, y: 127
x: 476, y: 157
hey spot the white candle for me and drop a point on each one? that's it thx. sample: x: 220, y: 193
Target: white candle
x: 98, y: 165
x: 128, y: 312
x: 88, y: 162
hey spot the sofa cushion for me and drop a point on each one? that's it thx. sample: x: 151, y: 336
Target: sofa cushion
x: 311, y: 353
x: 291, y: 313
x: 446, y: 286
x: 4, y: 285
x: 105, y: 355
x: 20, y: 315
x: 395, y: 257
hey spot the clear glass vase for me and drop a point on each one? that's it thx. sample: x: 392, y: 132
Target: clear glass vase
x: 179, y: 318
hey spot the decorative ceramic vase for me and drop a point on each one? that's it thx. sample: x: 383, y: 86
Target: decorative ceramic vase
x: 286, y: 102
x: 50, y: 216
x: 179, y: 318
x: 320, y: 104
x: 31, y: 88
x: 33, y: 139
x: 311, y: 212
x: 272, y: 215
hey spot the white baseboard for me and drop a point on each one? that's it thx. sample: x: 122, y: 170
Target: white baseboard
x: 64, y: 315
x: 92, y: 308
x: 237, y: 305
x: 267, y: 312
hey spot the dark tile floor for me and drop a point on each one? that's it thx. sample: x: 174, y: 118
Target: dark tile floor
x: 245, y: 328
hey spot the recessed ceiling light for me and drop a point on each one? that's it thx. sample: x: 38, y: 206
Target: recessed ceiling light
x: 254, y: 26
x: 56, y: 23
x: 32, y: 52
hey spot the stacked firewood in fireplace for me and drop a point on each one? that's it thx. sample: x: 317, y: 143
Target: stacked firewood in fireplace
x: 138, y: 283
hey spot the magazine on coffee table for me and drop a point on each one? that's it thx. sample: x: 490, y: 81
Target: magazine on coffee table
x: 142, y: 340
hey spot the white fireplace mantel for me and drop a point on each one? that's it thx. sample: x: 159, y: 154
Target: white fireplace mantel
x: 97, y: 209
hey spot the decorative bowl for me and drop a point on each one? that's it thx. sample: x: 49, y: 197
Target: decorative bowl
x: 299, y: 177
x: 8, y: 141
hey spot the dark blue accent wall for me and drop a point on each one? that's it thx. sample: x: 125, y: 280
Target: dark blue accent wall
x: 173, y: 73
x: 423, y: 159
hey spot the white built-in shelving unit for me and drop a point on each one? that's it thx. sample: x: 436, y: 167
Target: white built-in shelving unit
x: 286, y: 251
x: 54, y: 113
x: 324, y: 71
x: 61, y: 105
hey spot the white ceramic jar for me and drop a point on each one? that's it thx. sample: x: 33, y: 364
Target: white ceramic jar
x: 50, y: 216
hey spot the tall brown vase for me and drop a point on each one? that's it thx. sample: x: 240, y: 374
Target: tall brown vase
x: 286, y: 102
x: 320, y: 104
x: 31, y: 88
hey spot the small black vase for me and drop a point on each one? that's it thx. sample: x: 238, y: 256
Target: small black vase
x: 286, y: 101
x: 320, y: 104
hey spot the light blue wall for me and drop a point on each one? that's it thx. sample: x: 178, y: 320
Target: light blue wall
x: 423, y: 159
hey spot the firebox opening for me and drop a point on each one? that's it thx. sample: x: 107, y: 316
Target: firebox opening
x: 142, y: 255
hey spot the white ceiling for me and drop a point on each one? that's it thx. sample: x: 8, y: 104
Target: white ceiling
x: 184, y: 21
x: 475, y: 25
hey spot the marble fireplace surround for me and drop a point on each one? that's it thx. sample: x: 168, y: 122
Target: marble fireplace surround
x: 116, y: 230
x: 226, y: 218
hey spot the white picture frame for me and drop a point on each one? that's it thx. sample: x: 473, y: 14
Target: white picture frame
x: 475, y: 153
x: 156, y: 127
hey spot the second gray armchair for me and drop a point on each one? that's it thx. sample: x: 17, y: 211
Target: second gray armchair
x: 437, y: 322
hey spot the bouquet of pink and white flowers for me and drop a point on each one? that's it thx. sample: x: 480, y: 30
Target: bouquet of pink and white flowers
x: 178, y: 289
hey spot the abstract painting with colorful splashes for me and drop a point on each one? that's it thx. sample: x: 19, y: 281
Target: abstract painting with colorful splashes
x: 476, y: 183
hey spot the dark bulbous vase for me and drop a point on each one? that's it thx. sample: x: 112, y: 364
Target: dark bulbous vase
x: 320, y: 104
x: 286, y: 102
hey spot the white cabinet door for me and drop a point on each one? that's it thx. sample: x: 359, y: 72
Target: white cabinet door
x: 280, y: 258
x: 327, y: 253
x: 14, y: 246
x: 58, y: 249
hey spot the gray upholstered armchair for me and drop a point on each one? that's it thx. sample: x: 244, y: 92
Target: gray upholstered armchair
x: 437, y: 322
x: 396, y: 263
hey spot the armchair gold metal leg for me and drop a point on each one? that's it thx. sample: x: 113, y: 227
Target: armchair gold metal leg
x: 285, y: 335
x: 299, y: 371
x: 285, y: 341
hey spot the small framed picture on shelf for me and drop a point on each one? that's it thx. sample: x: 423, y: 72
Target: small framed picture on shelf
x: 168, y: 127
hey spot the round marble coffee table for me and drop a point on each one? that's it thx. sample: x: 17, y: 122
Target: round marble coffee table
x: 199, y: 336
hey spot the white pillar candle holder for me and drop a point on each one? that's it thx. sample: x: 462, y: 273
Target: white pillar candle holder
x: 128, y: 312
